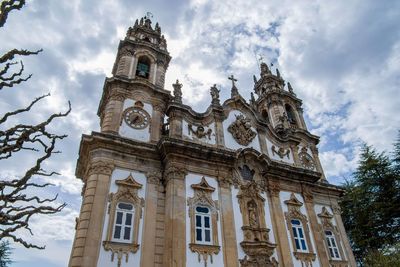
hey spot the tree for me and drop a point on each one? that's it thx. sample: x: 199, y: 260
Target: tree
x: 5, y: 252
x: 370, y: 205
x: 17, y: 203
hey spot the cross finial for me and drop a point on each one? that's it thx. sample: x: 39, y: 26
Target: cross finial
x: 233, y: 80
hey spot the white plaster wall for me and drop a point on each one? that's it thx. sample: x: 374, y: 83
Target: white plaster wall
x: 276, y: 157
x: 136, y: 134
x: 134, y: 258
x: 283, y: 196
x: 230, y: 142
x: 192, y: 259
x: 193, y: 137
x: 268, y: 221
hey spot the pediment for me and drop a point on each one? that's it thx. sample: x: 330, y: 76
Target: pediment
x: 129, y: 182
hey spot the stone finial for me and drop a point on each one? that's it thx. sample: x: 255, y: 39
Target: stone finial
x: 214, y: 92
x: 254, y: 78
x: 252, y: 99
x: 177, y: 91
x: 264, y: 69
x: 234, y: 90
x: 278, y: 74
x: 157, y: 28
x: 290, y: 88
x: 136, y: 22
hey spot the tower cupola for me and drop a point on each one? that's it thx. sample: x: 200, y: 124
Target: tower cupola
x: 143, y: 54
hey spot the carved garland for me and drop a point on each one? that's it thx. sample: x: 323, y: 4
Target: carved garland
x: 200, y: 131
x: 127, y: 192
x: 241, y: 130
x: 294, y: 213
x: 256, y: 242
x: 326, y: 224
x: 202, y: 196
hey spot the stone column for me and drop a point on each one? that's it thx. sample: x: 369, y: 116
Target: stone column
x: 314, y: 151
x: 301, y: 117
x: 175, y: 217
x: 295, y: 151
x: 339, y: 223
x: 112, y: 113
x: 229, y: 242
x: 315, y: 228
x: 156, y: 123
x: 91, y: 220
x: 262, y: 140
x: 278, y: 223
x: 149, y: 225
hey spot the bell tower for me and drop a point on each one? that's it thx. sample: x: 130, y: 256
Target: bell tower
x: 275, y: 104
x: 134, y: 98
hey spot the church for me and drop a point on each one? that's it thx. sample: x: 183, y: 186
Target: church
x: 240, y: 185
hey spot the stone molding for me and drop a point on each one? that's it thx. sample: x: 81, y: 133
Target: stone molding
x: 174, y: 172
x: 100, y: 167
x: 294, y: 212
x: 127, y: 192
x: 202, y: 196
x: 154, y: 177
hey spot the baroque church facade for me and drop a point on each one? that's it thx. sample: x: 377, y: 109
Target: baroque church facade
x: 238, y: 185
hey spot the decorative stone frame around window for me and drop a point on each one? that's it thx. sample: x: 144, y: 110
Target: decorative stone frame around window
x: 203, y: 197
x: 127, y: 193
x: 327, y: 225
x: 294, y: 213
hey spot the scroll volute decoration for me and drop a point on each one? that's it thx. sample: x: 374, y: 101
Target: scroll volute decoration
x: 294, y: 213
x: 127, y: 192
x: 203, y: 197
x: 256, y: 242
x: 327, y: 225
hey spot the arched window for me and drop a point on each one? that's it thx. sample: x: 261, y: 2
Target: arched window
x: 143, y: 67
x: 332, y: 246
x: 264, y: 114
x: 123, y: 223
x: 290, y: 114
x: 247, y: 173
x: 298, y: 236
x: 203, y: 225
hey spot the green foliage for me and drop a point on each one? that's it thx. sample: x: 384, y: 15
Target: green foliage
x: 386, y: 258
x: 5, y: 253
x: 371, y: 210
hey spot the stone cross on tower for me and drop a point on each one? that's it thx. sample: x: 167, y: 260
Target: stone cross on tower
x: 234, y: 90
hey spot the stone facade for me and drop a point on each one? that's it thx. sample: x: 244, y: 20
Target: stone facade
x: 238, y: 185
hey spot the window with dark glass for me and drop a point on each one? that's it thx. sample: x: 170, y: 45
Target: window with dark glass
x: 143, y: 67
x: 332, y: 246
x: 203, y: 225
x: 298, y: 235
x: 247, y: 173
x: 123, y: 224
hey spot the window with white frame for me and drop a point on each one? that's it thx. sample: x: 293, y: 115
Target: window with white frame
x: 203, y: 225
x: 332, y: 246
x: 298, y: 236
x: 123, y: 223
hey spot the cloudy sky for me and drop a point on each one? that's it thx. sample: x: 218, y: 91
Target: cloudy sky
x: 341, y: 57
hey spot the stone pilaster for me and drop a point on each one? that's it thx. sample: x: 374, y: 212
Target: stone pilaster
x: 150, y: 222
x: 219, y: 131
x: 315, y: 229
x: 112, y: 113
x: 339, y: 223
x: 301, y: 117
x: 175, y: 217
x: 263, y: 141
x: 156, y: 123
x: 278, y: 223
x: 229, y: 242
x: 175, y: 125
x: 91, y: 219
x: 295, y: 151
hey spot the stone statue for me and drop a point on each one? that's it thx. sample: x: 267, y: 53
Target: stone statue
x: 264, y: 69
x: 177, y: 91
x: 214, y: 92
x: 253, y: 218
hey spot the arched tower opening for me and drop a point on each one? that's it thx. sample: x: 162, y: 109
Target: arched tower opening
x: 143, y: 67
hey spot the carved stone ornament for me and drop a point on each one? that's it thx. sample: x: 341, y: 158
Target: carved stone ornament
x: 327, y: 225
x: 294, y: 212
x: 200, y: 132
x: 136, y: 117
x: 100, y: 167
x: 281, y: 152
x: 202, y: 197
x: 256, y: 242
x: 128, y: 193
x: 306, y: 160
x: 241, y: 130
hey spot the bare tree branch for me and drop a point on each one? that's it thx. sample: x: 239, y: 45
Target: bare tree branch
x: 7, y: 6
x: 17, y: 52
